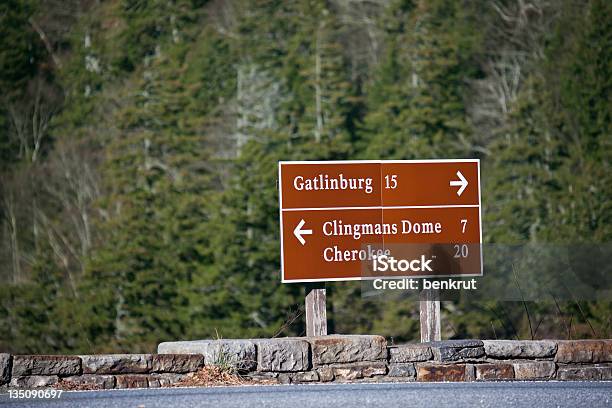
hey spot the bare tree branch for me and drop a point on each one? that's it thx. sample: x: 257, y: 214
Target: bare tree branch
x: 45, y: 41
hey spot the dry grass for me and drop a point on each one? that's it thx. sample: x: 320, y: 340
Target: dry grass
x: 71, y: 386
x: 211, y: 376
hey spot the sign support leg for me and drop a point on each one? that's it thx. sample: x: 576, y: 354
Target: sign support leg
x: 316, y: 312
x: 430, y: 315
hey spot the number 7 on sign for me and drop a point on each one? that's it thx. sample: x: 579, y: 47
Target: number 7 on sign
x: 463, y: 224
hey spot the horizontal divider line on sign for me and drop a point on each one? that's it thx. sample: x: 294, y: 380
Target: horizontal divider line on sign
x: 382, y: 207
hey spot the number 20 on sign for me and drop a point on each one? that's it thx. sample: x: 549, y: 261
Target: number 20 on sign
x: 351, y: 220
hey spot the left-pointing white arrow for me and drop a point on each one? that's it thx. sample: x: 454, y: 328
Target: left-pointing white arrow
x: 462, y: 183
x: 298, y: 232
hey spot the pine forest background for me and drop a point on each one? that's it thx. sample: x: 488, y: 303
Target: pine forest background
x: 139, y: 142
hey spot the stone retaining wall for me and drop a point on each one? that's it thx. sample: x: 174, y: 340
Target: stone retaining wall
x: 321, y: 359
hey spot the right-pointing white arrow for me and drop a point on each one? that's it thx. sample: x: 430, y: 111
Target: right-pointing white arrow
x: 461, y: 182
x: 298, y: 232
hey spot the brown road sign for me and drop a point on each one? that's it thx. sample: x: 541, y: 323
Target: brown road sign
x: 416, y: 218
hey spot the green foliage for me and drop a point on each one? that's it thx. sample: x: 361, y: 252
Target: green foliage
x: 560, y: 127
x: 19, y: 46
x: 184, y: 109
x: 156, y: 180
x: 20, y: 56
x: 418, y: 108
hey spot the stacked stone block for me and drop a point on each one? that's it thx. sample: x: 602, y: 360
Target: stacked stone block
x: 338, y: 358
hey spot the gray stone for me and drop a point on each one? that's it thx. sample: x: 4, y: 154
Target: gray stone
x: 373, y: 369
x: 306, y: 376
x: 448, y: 351
x: 520, y: 349
x: 5, y: 368
x: 606, y: 373
x: 184, y: 347
x: 456, y: 350
x: 132, y: 381
x: 164, y: 379
x: 117, y: 363
x: 239, y: 354
x: 177, y: 363
x: 45, y: 365
x: 347, y: 348
x: 284, y: 378
x: 283, y: 355
x: 34, y: 381
x: 103, y: 382
x: 494, y: 371
x: 584, y: 373
x: 456, y: 343
x: 402, y: 370
x: 153, y: 382
x: 534, y: 370
x: 408, y: 353
x: 347, y: 373
x: 359, y: 370
x: 262, y: 376
x: 584, y: 351
x: 470, y: 372
x: 326, y: 374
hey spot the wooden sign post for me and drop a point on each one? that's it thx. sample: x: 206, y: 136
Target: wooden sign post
x: 316, y: 309
x: 339, y: 218
x: 429, y: 306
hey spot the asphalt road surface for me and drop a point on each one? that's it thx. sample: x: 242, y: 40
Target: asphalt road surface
x: 428, y: 395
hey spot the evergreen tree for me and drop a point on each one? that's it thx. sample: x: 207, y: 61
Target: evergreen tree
x: 558, y: 129
x: 192, y: 103
x: 20, y: 49
x: 154, y: 235
x: 419, y: 106
x: 550, y: 171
